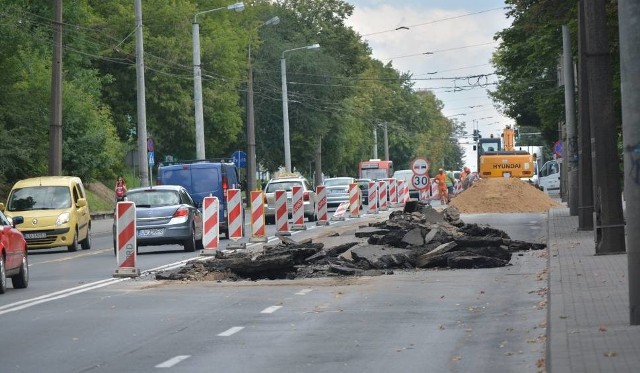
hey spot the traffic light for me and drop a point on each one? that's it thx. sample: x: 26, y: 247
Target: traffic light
x: 476, y: 135
x: 517, y: 133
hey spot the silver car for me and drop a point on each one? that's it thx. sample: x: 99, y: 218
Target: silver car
x: 337, y: 190
x: 287, y: 184
x: 166, y: 214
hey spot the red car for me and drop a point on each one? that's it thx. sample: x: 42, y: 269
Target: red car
x: 13, y: 254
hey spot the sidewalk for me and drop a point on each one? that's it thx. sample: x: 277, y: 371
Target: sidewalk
x: 588, y: 328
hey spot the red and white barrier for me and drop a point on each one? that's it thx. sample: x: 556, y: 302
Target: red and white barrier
x: 394, y: 191
x: 403, y: 192
x: 321, y: 205
x: 424, y: 194
x: 354, y: 200
x: 234, y: 206
x: 211, y: 225
x: 258, y: 227
x: 340, y: 211
x: 282, y: 213
x: 297, y: 207
x: 372, y: 201
x: 382, y: 195
x: 126, y: 245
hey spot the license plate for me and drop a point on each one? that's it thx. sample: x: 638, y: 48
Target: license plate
x: 30, y: 236
x: 150, y: 232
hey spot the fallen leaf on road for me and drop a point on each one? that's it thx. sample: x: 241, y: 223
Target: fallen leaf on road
x: 610, y: 354
x: 441, y: 327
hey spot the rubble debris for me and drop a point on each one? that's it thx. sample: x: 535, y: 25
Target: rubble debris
x: 419, y: 237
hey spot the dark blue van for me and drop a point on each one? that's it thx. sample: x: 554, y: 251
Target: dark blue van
x: 201, y: 179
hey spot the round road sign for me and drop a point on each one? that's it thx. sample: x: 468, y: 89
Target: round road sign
x: 420, y: 182
x: 420, y: 166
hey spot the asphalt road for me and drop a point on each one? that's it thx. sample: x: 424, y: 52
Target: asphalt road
x: 75, y: 317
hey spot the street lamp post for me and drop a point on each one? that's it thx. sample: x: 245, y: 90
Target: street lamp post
x: 285, y: 104
x: 197, y: 77
x: 251, y: 128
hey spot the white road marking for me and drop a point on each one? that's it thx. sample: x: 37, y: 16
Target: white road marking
x: 173, y: 361
x: 271, y: 309
x: 231, y: 331
x: 304, y: 291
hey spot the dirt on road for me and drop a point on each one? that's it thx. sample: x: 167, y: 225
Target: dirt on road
x: 499, y: 195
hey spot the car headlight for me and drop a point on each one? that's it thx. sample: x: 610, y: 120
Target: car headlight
x: 63, y: 218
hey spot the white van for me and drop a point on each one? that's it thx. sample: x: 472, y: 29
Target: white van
x: 549, y: 176
x: 406, y: 175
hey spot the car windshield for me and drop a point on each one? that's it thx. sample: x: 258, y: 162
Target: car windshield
x: 282, y: 185
x: 154, y: 198
x: 334, y: 182
x: 40, y: 198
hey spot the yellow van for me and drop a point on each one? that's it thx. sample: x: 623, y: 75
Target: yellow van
x: 55, y: 212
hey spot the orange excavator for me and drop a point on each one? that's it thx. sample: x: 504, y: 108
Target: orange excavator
x: 495, y: 160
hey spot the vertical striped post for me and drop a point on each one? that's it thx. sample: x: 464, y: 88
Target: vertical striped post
x: 372, y: 201
x: 211, y: 225
x: 297, y: 207
x: 382, y: 195
x: 234, y: 206
x: 354, y: 200
x: 126, y: 245
x: 321, y: 205
x: 258, y: 227
x: 282, y: 214
x: 394, y: 191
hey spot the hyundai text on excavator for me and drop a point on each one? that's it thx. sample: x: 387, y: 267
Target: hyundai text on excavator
x: 494, y: 160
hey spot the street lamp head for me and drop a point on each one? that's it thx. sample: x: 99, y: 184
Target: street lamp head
x: 238, y: 7
x: 314, y: 46
x: 273, y: 21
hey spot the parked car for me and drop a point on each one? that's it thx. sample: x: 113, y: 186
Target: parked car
x: 13, y: 254
x: 202, y: 179
x: 55, y: 212
x: 363, y: 184
x: 287, y: 184
x: 337, y: 189
x: 165, y: 214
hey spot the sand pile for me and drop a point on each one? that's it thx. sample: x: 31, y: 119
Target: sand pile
x: 502, y: 195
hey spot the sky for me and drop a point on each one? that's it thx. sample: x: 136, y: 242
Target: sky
x: 447, y: 46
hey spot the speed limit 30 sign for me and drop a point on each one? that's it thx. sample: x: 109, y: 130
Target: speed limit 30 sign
x: 420, y: 182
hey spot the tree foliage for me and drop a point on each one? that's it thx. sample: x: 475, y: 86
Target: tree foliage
x: 337, y: 95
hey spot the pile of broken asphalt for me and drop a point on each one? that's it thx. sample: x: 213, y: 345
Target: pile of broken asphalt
x: 418, y: 237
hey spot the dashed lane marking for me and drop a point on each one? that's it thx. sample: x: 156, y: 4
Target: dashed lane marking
x: 231, y: 331
x: 271, y: 309
x: 304, y: 291
x: 173, y: 361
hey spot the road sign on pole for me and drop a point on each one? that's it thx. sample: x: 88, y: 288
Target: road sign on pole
x: 420, y: 182
x: 420, y: 166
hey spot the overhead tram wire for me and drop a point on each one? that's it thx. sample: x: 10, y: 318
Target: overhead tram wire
x: 434, y: 21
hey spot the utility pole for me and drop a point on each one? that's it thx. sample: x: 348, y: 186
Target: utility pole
x: 386, y: 142
x: 609, y: 222
x: 55, y: 119
x: 142, y: 110
x: 318, y: 164
x: 251, y: 131
x: 375, y: 142
x: 585, y: 171
x: 571, y: 148
x: 629, y: 28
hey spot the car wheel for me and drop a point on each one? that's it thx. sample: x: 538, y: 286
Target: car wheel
x: 74, y: 245
x: 190, y: 243
x: 86, y: 243
x: 3, y: 277
x: 21, y: 280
